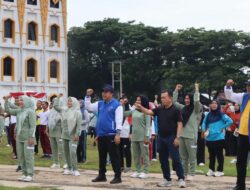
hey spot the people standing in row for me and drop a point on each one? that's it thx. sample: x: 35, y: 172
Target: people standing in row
x: 108, y: 130
x: 71, y: 130
x: 230, y: 138
x: 55, y: 133
x: 125, y: 145
x: 82, y: 145
x: 25, y: 134
x: 188, y: 139
x: 140, y: 137
x: 213, y: 127
x: 169, y: 131
x: 43, y: 128
x: 243, y: 148
x: 39, y: 109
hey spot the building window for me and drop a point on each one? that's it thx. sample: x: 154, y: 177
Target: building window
x: 54, y: 3
x: 55, y: 34
x: 32, y: 31
x: 7, y: 66
x: 8, y: 28
x: 54, y: 69
x: 9, y: 0
x: 32, y: 2
x: 31, y: 65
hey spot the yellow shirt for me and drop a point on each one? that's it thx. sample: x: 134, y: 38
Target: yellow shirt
x: 38, y: 119
x: 244, y: 120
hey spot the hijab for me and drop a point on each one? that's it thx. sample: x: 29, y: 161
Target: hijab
x: 214, y: 115
x: 187, y: 110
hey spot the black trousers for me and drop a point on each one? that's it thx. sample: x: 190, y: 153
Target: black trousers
x: 37, y: 135
x: 125, y: 151
x: 230, y: 144
x: 215, y: 149
x: 107, y: 145
x: 154, y: 148
x: 200, y: 149
x: 241, y: 165
x: 81, y: 150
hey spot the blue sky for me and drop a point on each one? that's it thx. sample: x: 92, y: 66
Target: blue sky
x: 174, y: 14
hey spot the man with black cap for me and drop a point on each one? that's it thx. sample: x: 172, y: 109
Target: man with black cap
x: 242, y: 99
x: 108, y: 129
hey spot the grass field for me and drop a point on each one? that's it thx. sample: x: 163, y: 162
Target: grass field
x: 92, y: 160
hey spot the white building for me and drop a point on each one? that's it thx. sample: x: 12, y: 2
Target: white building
x: 33, y: 46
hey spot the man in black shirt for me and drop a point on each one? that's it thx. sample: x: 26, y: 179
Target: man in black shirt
x: 169, y: 127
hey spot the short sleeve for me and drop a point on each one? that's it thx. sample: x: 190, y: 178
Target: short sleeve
x: 155, y: 111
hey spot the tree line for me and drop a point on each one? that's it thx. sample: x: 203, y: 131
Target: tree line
x: 154, y: 58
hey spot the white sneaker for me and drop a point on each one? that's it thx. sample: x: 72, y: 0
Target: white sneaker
x: 65, y: 166
x: 189, y: 178
x: 21, y: 178
x: 154, y: 160
x: 76, y: 173
x: 165, y: 183
x: 135, y: 175
x: 182, y: 183
x: 55, y: 166
x: 8, y: 145
x: 201, y: 164
x: 142, y: 175
x: 233, y: 161
x: 28, y: 179
x: 67, y: 172
x: 218, y: 174
x: 210, y: 173
x: 126, y: 170
x: 173, y: 172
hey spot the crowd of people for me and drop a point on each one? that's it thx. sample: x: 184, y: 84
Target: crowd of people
x: 174, y: 127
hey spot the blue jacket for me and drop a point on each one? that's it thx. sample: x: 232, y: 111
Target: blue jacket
x: 105, y: 125
x: 216, y: 129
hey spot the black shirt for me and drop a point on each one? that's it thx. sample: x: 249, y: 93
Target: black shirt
x: 167, y: 120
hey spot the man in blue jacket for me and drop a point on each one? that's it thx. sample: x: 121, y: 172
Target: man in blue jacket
x: 108, y: 128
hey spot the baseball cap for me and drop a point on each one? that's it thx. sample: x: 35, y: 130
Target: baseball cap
x: 108, y: 88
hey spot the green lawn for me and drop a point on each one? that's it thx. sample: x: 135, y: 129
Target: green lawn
x: 92, y: 160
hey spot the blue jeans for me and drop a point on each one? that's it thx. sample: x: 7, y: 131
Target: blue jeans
x: 166, y: 148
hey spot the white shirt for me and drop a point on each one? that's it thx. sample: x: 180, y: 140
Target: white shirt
x: 94, y: 108
x: 44, y: 117
x: 12, y: 119
x: 125, y: 129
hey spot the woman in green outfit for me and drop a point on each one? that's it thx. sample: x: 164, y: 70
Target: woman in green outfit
x: 25, y: 134
x: 141, y: 124
x: 71, y: 130
x: 55, y: 133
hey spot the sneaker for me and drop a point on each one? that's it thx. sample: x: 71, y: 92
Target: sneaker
x: 21, y: 178
x: 182, y: 183
x: 173, y: 172
x: 76, y: 173
x: 218, y: 174
x: 165, y: 183
x: 126, y: 170
x: 28, y: 179
x: 233, y: 161
x: 116, y: 180
x: 67, y: 172
x: 55, y: 166
x: 142, y: 175
x: 189, y: 178
x: 19, y: 168
x: 65, y: 166
x: 210, y: 173
x: 135, y: 175
x: 201, y: 164
x: 154, y: 160
x: 100, y: 178
x: 8, y: 145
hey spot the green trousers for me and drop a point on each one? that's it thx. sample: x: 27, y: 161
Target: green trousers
x: 25, y: 156
x: 70, y: 154
x: 188, y: 149
x: 57, y: 150
x: 140, y: 155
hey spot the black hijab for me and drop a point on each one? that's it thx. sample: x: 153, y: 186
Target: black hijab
x: 187, y: 110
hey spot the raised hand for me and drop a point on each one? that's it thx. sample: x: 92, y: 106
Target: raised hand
x: 230, y: 82
x: 178, y: 87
